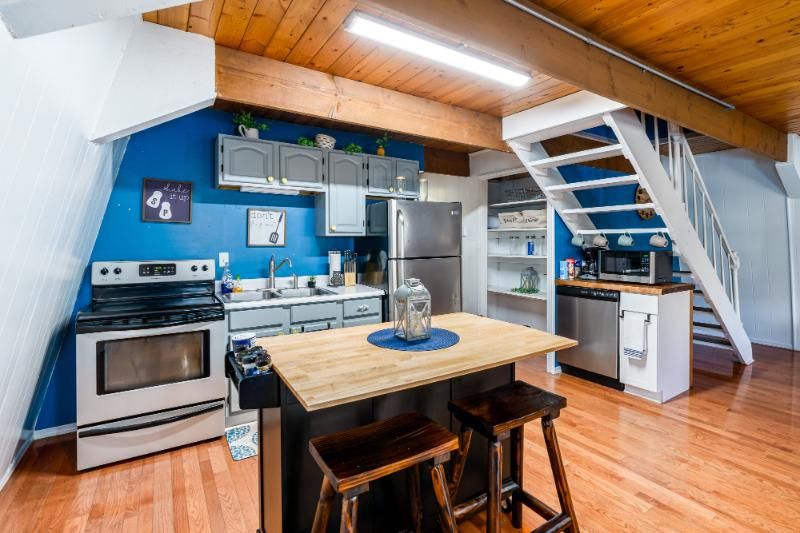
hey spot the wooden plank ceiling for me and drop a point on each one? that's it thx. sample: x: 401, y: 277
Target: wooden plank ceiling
x: 310, y: 33
x: 742, y: 51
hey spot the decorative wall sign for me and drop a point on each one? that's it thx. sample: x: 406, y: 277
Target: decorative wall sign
x: 166, y: 201
x: 641, y: 196
x: 266, y: 227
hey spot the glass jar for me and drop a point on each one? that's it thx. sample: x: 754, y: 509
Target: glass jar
x: 529, y: 280
x: 412, y: 311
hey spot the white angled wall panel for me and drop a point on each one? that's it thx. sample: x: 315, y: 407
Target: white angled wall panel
x: 751, y: 204
x: 54, y: 188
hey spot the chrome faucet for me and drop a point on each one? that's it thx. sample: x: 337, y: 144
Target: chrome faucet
x: 273, y: 269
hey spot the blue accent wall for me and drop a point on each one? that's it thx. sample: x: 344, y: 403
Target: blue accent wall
x: 183, y: 149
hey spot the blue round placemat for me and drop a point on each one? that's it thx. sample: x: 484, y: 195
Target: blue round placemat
x: 440, y: 338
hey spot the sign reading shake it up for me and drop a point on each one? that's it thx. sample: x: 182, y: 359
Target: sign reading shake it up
x: 166, y: 201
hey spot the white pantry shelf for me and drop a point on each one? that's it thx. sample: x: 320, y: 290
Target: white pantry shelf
x: 507, y: 230
x: 508, y: 292
x: 516, y: 257
x: 520, y: 202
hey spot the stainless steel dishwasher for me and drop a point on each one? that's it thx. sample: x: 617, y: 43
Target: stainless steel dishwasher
x: 590, y: 316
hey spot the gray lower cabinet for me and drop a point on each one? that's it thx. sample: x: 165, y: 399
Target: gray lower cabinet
x: 342, y: 211
x: 302, y: 166
x: 302, y: 318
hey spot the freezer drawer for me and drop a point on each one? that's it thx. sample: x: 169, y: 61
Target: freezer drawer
x: 592, y: 320
x: 441, y: 276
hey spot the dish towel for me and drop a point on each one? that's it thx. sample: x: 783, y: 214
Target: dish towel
x: 634, y: 335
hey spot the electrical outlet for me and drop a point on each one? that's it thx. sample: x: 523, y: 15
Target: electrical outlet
x: 224, y: 259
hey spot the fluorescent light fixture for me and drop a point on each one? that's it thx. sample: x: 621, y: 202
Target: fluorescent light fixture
x: 396, y: 37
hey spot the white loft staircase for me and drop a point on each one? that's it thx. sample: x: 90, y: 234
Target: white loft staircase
x: 667, y: 170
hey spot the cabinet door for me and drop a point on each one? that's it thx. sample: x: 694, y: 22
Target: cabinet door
x: 301, y: 166
x: 407, y: 177
x: 346, y: 199
x: 247, y: 161
x: 381, y: 175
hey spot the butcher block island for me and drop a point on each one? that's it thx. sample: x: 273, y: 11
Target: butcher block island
x: 335, y: 380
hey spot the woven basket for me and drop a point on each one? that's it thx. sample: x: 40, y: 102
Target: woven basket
x: 324, y: 141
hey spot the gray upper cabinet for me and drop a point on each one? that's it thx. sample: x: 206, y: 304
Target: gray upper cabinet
x: 381, y: 175
x: 301, y: 166
x: 245, y: 161
x: 407, y: 173
x: 342, y: 211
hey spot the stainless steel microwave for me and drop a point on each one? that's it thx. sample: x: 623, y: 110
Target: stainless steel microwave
x: 635, y: 267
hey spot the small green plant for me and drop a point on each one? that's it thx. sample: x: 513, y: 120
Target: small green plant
x: 353, y: 148
x: 520, y: 290
x: 245, y: 118
x: 383, y: 141
x: 312, y: 281
x: 305, y: 141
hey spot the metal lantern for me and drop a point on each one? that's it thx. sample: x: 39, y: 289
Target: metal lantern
x: 529, y: 280
x: 412, y: 311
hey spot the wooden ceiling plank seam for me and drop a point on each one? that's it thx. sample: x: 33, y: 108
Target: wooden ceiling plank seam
x: 265, y: 19
x: 332, y: 50
x: 233, y: 22
x: 370, y: 62
x: 434, y: 71
x: 204, y: 17
x: 360, y: 49
x: 291, y: 28
x: 330, y: 17
x: 382, y: 72
x: 405, y: 73
x: 175, y: 17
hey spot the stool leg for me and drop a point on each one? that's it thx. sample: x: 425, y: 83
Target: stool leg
x: 415, y: 499
x: 349, y: 514
x: 323, y: 512
x: 495, y: 486
x: 442, y: 493
x: 559, y: 475
x: 517, y: 468
x: 459, y: 460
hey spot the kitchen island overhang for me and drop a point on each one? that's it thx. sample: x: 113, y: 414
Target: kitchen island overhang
x: 334, y: 380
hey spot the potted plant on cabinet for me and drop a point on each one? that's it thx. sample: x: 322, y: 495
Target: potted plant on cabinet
x: 382, y: 143
x: 353, y: 148
x: 247, y: 126
x: 305, y: 141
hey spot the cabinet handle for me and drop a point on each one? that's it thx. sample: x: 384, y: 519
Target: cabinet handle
x: 362, y: 308
x: 333, y: 228
x: 270, y: 178
x: 391, y: 189
x: 284, y: 180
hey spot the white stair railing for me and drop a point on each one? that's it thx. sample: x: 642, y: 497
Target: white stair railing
x: 687, y: 181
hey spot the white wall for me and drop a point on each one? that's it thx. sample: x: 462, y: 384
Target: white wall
x: 54, y: 187
x: 445, y: 188
x: 752, y: 206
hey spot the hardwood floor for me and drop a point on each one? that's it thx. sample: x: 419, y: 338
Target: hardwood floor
x: 725, y: 457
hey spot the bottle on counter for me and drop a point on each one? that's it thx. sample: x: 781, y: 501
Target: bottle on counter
x: 227, y: 280
x: 237, y: 284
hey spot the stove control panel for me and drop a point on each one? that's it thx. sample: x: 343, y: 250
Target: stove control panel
x: 132, y: 272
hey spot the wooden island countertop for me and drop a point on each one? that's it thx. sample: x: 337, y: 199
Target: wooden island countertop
x: 656, y: 289
x: 334, y: 367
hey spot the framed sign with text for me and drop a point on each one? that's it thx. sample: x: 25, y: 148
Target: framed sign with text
x: 266, y: 227
x: 166, y: 201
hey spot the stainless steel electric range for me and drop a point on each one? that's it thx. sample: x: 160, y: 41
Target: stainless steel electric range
x: 150, y: 360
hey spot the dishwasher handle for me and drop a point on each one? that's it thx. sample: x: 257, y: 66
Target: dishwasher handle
x: 583, y: 292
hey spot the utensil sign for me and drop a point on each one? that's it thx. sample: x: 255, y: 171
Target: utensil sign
x: 166, y: 201
x: 266, y: 227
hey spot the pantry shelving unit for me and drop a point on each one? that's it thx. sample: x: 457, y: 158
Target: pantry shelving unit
x: 507, y: 253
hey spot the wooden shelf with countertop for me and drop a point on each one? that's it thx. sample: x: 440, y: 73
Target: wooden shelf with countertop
x: 335, y: 380
x: 657, y: 289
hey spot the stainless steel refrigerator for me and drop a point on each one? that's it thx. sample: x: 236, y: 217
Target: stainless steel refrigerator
x: 418, y: 240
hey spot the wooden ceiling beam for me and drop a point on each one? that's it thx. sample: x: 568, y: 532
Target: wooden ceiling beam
x: 501, y: 30
x: 261, y: 82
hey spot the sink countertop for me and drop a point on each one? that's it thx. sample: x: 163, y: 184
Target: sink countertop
x: 339, y: 294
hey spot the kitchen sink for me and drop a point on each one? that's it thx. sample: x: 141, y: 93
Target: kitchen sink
x: 303, y: 292
x: 249, y: 296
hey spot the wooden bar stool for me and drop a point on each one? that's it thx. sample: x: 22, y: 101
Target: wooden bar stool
x: 351, y: 459
x: 499, y: 414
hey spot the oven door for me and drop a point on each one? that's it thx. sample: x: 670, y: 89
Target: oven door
x: 128, y: 373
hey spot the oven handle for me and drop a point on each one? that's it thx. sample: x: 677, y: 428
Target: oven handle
x: 153, y: 423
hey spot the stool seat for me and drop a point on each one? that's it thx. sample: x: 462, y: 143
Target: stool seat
x: 504, y: 408
x: 355, y: 457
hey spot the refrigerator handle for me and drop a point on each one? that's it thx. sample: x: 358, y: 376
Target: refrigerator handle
x: 400, y: 244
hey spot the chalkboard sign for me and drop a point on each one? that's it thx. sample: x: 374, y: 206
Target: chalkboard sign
x: 266, y: 227
x: 167, y: 201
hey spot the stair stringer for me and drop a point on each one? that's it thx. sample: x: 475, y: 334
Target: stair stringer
x: 647, y: 164
x: 551, y: 176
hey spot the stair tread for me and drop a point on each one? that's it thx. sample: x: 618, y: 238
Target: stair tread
x: 593, y: 154
x: 594, y: 184
x: 711, y: 338
x: 609, y: 208
x: 707, y: 325
x: 702, y: 309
